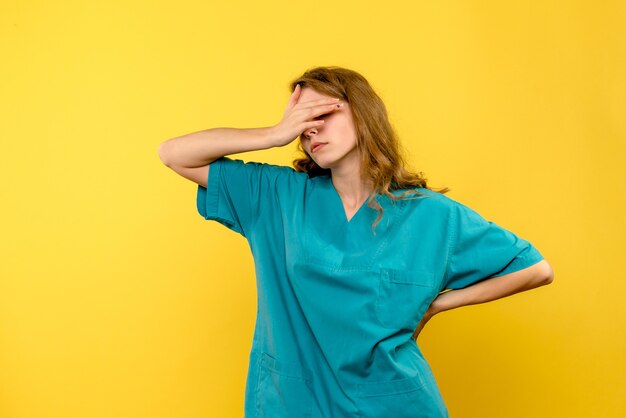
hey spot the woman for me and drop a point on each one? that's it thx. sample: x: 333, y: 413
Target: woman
x: 352, y: 253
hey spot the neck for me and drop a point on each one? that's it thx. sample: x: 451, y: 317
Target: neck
x: 351, y: 188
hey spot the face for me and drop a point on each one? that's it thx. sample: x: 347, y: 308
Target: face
x: 337, y: 132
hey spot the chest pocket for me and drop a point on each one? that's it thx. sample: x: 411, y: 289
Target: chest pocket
x: 403, y: 297
x: 283, y: 389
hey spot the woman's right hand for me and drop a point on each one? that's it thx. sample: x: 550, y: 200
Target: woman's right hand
x: 298, y: 117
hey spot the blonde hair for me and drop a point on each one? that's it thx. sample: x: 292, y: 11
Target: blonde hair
x: 382, y: 159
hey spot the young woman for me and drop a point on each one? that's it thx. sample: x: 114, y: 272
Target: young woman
x: 352, y: 253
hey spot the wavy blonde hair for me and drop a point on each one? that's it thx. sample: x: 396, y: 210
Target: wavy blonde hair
x: 382, y: 159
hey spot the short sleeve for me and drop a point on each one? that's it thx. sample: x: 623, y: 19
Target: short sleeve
x: 237, y: 192
x: 480, y: 249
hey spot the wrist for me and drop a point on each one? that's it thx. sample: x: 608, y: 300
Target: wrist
x: 268, y: 137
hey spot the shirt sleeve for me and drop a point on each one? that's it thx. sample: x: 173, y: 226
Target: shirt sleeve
x: 480, y: 249
x: 237, y: 192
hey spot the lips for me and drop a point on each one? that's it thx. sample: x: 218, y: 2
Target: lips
x: 316, y: 145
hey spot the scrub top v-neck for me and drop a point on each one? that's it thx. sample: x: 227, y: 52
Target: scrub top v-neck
x: 338, y: 303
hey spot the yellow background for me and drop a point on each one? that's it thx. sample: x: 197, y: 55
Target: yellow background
x: 117, y: 299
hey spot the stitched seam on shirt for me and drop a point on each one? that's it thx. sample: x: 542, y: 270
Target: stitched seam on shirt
x: 212, y: 194
x: 273, y: 187
x: 452, y: 232
x: 235, y: 222
x: 260, y: 211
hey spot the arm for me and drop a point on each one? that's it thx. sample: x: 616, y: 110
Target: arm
x: 191, y: 154
x: 494, y: 288
x: 201, y: 148
x: 539, y: 274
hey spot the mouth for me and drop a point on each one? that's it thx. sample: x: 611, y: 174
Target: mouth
x: 318, y: 146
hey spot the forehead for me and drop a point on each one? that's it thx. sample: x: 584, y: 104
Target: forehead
x: 308, y: 94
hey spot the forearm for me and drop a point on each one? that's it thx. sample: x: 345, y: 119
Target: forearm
x: 201, y: 148
x: 494, y: 288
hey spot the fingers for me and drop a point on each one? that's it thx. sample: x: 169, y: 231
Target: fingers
x: 293, y: 100
x: 313, y: 124
x: 315, y: 111
x: 296, y: 92
x: 295, y: 96
x: 319, y: 102
x: 313, y: 108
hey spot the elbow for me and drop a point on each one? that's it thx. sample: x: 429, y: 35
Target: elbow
x: 547, y: 272
x: 163, y: 153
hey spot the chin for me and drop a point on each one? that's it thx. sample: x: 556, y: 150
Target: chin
x: 320, y: 164
x: 325, y: 166
x: 321, y: 160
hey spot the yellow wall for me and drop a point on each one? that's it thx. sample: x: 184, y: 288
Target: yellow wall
x: 117, y: 299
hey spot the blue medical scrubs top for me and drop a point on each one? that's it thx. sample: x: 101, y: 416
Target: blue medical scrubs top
x: 338, y: 304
